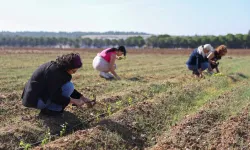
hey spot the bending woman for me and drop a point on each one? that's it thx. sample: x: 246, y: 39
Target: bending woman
x: 105, y: 61
x: 215, y: 56
x: 50, y: 88
x: 198, y: 61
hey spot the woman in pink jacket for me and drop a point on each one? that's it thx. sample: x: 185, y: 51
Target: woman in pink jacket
x: 105, y: 61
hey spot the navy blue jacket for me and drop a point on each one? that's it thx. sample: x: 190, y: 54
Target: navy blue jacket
x: 196, y: 59
x: 46, y: 83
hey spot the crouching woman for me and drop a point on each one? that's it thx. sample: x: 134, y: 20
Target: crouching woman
x: 198, y: 61
x: 105, y: 61
x: 215, y: 56
x: 50, y: 88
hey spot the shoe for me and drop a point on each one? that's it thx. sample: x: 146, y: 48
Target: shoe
x: 48, y: 112
x: 110, y: 75
x: 210, y: 72
x: 104, y: 75
x: 196, y: 73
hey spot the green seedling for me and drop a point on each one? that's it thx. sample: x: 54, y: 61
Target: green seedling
x: 130, y: 100
x: 98, y: 117
x: 24, y: 145
x: 63, y: 131
x: 109, y: 110
x: 218, y: 74
x: 118, y: 104
x: 47, y: 137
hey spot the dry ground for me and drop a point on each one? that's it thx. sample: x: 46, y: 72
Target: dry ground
x: 156, y: 105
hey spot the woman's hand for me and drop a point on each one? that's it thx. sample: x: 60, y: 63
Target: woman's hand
x: 118, y: 78
x: 213, y: 62
x: 119, y: 58
x: 77, y: 102
x: 85, y: 100
x: 88, y: 102
x: 201, y: 75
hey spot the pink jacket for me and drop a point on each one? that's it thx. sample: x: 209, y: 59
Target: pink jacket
x: 107, y: 56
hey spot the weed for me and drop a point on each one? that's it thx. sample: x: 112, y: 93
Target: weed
x: 24, y: 145
x: 130, y: 100
x: 47, y: 137
x: 64, y: 126
x: 118, y: 105
x: 109, y: 110
x: 97, y: 117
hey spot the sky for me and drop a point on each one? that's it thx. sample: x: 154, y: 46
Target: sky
x: 173, y: 17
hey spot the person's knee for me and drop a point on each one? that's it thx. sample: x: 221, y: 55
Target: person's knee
x: 204, y: 66
x: 68, y: 88
x: 190, y: 67
x: 69, y: 84
x: 40, y: 104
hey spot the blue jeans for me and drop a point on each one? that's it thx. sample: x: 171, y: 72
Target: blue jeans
x: 204, y: 66
x: 67, y: 90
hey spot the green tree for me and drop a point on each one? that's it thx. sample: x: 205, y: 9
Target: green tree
x: 231, y: 40
x: 98, y: 43
x: 87, y: 42
x: 114, y: 42
x: 191, y: 42
x: 152, y: 41
x: 140, y: 41
x: 176, y: 41
x: 130, y: 42
x: 239, y: 42
x: 246, y: 41
x: 121, y: 42
x: 107, y: 42
x: 183, y: 42
x: 214, y: 40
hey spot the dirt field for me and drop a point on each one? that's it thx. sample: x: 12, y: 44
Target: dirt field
x: 130, y: 51
x: 157, y: 104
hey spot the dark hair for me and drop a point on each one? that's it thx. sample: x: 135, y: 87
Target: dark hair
x: 69, y: 61
x: 123, y: 49
x: 120, y: 48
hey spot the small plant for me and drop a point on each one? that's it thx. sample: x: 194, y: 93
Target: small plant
x: 24, y: 145
x: 118, y: 104
x: 218, y: 74
x: 130, y: 100
x: 98, y: 117
x: 109, y: 110
x: 93, y: 96
x: 63, y: 131
x: 47, y: 137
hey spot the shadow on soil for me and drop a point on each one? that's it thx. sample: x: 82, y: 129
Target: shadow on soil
x: 137, y: 78
x: 237, y: 76
x: 125, y: 132
x: 54, y: 123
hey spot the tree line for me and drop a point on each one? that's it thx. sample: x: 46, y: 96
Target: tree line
x: 64, y: 34
x: 160, y: 41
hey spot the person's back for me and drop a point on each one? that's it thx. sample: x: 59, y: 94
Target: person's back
x: 50, y: 88
x: 35, y: 86
x: 198, y: 60
x: 105, y: 61
x: 39, y: 84
x: 194, y: 56
x: 107, y: 55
